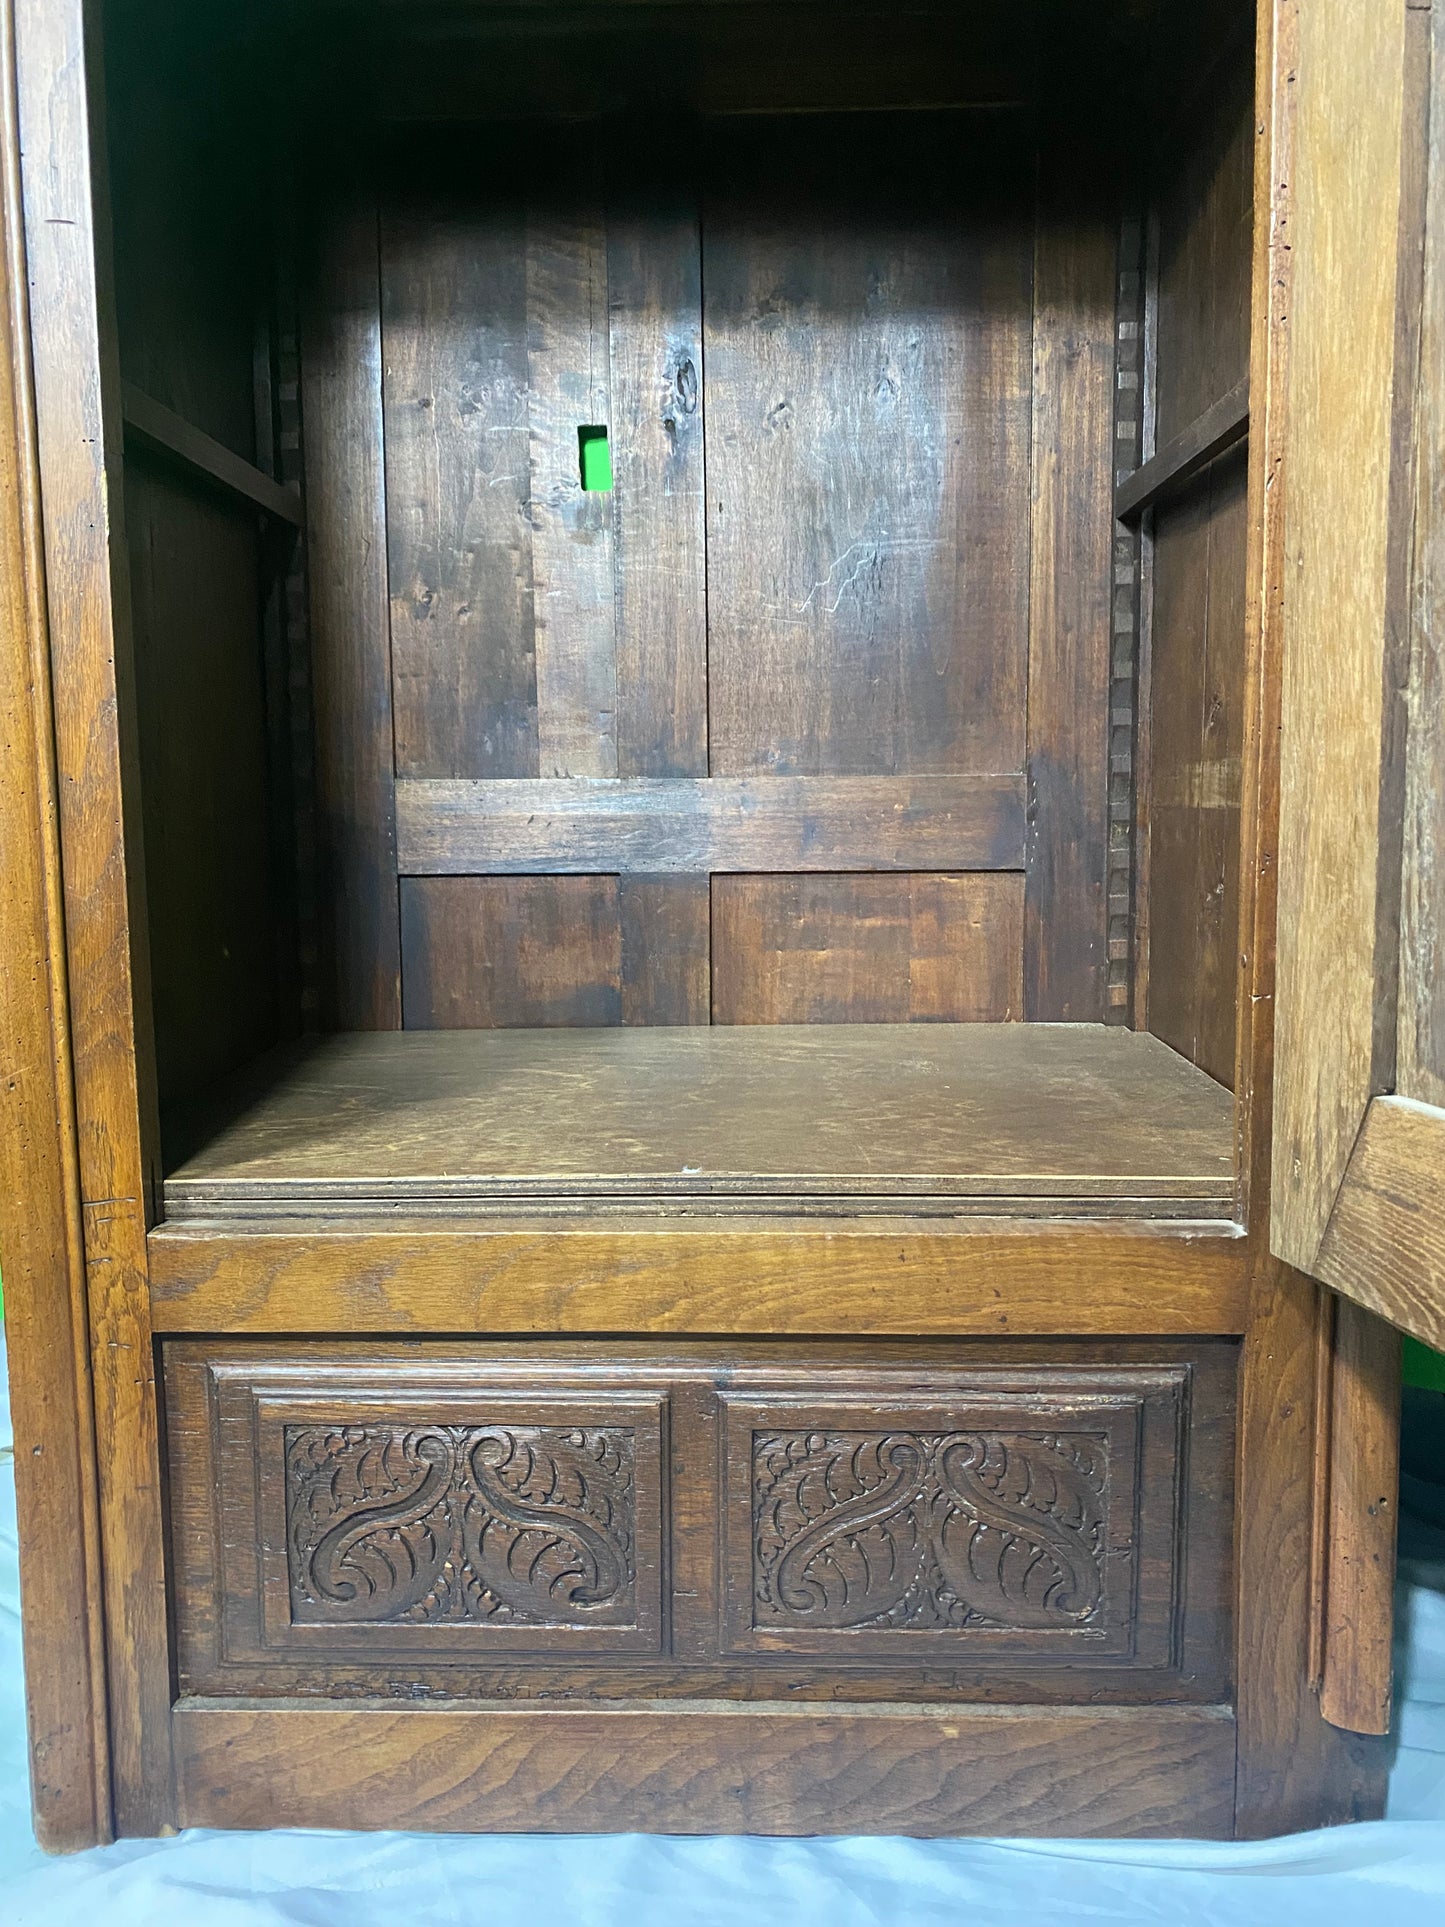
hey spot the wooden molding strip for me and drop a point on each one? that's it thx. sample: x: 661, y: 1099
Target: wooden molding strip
x: 702, y: 1768
x: 983, y: 1277
x: 155, y: 426
x: 1384, y: 1245
x: 1216, y: 430
x: 661, y: 825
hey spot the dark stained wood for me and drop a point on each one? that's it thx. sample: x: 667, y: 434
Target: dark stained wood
x: 1198, y: 690
x: 571, y: 1769
x: 984, y: 1276
x: 1218, y: 429
x: 964, y: 1111
x: 529, y: 951
x: 41, y: 1239
x: 1205, y: 221
x: 196, y: 599
x: 160, y: 429
x: 868, y: 396
x: 742, y: 823
x: 458, y: 466
x: 569, y: 384
x: 484, y: 952
x: 77, y: 406
x: 1070, y: 601
x: 645, y: 1586
x: 654, y: 291
x: 867, y: 949
x: 1357, y: 1684
x: 341, y: 378
x: 666, y: 949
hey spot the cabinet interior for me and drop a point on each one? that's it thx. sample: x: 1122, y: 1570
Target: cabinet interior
x: 635, y: 527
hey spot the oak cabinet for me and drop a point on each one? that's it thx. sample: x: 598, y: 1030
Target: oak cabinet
x: 667, y: 670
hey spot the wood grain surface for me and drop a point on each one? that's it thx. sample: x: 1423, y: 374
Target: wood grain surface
x: 1384, y: 1245
x: 738, y: 1273
x: 969, y: 1110
x: 949, y: 1770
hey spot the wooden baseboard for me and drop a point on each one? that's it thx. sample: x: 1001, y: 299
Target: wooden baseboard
x: 708, y: 1768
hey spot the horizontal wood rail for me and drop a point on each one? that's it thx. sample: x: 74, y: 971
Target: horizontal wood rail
x: 151, y: 424
x: 1211, y: 434
x: 661, y: 825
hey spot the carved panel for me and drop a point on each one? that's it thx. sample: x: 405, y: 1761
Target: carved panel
x: 994, y: 1522
x: 515, y: 1524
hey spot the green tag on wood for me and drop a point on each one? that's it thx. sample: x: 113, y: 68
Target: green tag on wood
x: 596, y: 459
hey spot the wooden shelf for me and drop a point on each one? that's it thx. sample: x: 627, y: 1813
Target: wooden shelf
x: 157, y: 427
x: 1047, y: 1120
x: 1195, y: 447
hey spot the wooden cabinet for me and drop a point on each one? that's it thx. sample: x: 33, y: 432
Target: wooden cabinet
x: 643, y: 673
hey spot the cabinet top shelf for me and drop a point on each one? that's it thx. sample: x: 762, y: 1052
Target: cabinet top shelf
x: 1048, y: 1120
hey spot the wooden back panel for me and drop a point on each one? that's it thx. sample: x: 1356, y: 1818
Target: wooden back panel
x: 658, y: 755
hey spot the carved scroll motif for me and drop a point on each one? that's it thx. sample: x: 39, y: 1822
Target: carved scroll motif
x: 448, y: 1524
x: 928, y: 1530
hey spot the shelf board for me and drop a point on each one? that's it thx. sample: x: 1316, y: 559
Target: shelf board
x: 1048, y: 1120
x: 1212, y: 434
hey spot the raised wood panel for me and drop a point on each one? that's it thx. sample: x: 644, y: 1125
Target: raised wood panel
x: 866, y: 949
x: 484, y: 952
x: 746, y: 823
x: 868, y: 386
x: 693, y: 1520
x: 1197, y: 729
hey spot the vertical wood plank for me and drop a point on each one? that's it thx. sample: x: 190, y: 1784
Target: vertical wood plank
x: 458, y: 487
x: 76, y: 375
x: 1420, y: 1070
x: 1355, y: 1691
x: 568, y: 386
x: 866, y: 948
x: 868, y: 396
x: 1065, y: 913
x: 1351, y: 366
x: 666, y: 939
x: 654, y: 278
x: 41, y: 1239
x: 351, y: 661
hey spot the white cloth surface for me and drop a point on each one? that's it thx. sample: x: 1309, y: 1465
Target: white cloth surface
x: 1391, y: 1874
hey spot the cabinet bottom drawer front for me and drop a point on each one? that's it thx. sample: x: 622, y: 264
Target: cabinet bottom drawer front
x: 608, y: 1521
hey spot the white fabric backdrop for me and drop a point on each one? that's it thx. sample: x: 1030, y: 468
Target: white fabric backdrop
x: 1387, y: 1875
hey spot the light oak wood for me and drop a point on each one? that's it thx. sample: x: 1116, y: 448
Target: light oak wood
x: 41, y: 1238
x: 998, y: 1111
x: 756, y: 1769
x: 1357, y: 1678
x: 1351, y: 371
x: 155, y: 426
x: 1384, y: 1246
x: 740, y: 823
x: 1218, y: 429
x: 701, y: 1274
x: 77, y: 397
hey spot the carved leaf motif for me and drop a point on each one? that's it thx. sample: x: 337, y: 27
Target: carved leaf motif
x: 928, y: 1530
x: 450, y: 1524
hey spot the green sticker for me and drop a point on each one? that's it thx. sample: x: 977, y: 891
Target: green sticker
x: 596, y: 459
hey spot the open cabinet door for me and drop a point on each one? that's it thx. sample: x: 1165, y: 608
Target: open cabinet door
x: 1359, y: 1123
x: 1358, y: 1184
